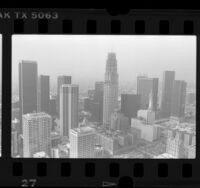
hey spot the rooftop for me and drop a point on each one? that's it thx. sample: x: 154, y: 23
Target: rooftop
x: 85, y: 129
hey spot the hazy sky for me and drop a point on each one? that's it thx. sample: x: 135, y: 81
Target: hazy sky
x: 84, y: 57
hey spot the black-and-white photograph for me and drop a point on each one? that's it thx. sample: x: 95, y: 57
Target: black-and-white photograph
x: 103, y: 96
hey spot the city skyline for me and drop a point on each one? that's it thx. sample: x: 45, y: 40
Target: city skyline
x: 104, y: 122
x: 133, y: 53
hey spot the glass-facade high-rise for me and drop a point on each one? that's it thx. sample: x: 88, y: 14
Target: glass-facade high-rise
x: 43, y: 93
x: 178, y: 98
x: 60, y: 81
x: 28, y: 77
x: 69, y: 99
x: 167, y: 88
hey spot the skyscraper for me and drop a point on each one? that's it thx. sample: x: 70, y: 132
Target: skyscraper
x: 98, y: 98
x: 110, y: 101
x: 82, y: 142
x: 43, y: 94
x: 145, y: 86
x: 167, y: 88
x: 60, y: 81
x: 27, y: 87
x: 178, y: 98
x: 130, y: 104
x: 69, y: 96
x: 36, y: 133
x: 52, y: 106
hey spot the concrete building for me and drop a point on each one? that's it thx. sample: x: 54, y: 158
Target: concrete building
x: 60, y: 81
x: 110, y: 101
x: 36, y: 133
x: 145, y: 86
x: 108, y: 142
x: 175, y: 144
x: 178, y: 98
x: 43, y: 93
x: 28, y: 77
x: 98, y: 98
x: 148, y: 132
x: 52, y: 106
x: 69, y: 99
x: 130, y: 104
x: 82, y: 142
x: 167, y: 88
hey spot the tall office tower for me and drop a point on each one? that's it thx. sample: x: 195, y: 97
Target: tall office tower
x: 43, y: 93
x: 98, y: 98
x: 69, y: 96
x: 27, y: 88
x: 130, y: 104
x: 145, y: 86
x: 60, y: 81
x: 36, y: 133
x: 178, y: 98
x: 52, y: 106
x: 148, y: 115
x: 155, y: 94
x: 110, y: 101
x: 82, y: 142
x: 167, y: 87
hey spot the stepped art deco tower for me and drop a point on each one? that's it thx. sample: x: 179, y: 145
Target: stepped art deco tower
x: 110, y: 100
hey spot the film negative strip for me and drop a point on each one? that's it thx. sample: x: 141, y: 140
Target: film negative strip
x: 78, y: 109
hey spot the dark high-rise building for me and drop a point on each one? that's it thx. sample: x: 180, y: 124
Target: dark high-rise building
x: 87, y: 102
x: 155, y: 94
x: 60, y: 81
x: 43, y: 93
x: 178, y: 98
x: 130, y: 104
x: 52, y: 106
x: 110, y: 101
x: 145, y: 86
x: 167, y: 87
x: 98, y: 98
x: 28, y: 77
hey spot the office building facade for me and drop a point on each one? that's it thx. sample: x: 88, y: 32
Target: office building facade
x: 43, y: 93
x: 69, y: 99
x: 110, y: 101
x: 36, y: 133
x: 28, y: 77
x: 167, y: 88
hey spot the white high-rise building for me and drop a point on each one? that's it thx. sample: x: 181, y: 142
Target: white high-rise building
x: 110, y: 101
x: 36, y: 133
x: 69, y: 95
x: 82, y: 142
